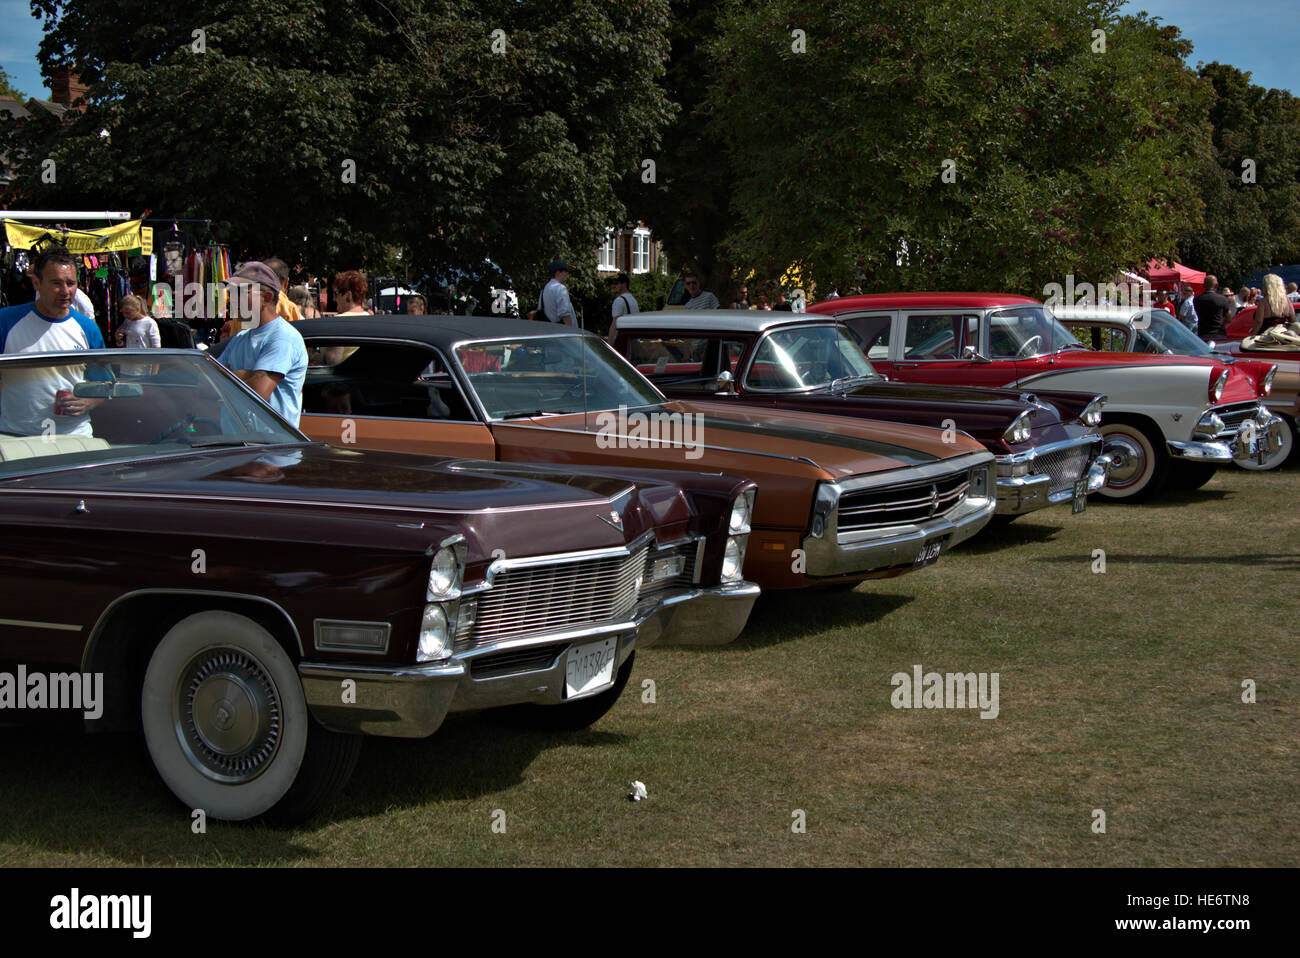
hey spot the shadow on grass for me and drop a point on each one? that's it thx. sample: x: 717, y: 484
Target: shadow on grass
x: 1169, y: 499
x: 65, y: 792
x: 997, y: 536
x: 784, y: 616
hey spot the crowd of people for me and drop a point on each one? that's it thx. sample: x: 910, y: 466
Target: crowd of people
x: 1209, y: 312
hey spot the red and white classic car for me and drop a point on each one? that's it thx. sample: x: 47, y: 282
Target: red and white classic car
x: 1167, y: 418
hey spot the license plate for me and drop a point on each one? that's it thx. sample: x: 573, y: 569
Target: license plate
x: 1080, y: 501
x: 929, y: 553
x: 589, y: 668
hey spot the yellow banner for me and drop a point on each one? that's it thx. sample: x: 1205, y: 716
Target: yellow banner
x: 111, y: 239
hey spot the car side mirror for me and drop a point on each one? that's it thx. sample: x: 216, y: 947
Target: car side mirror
x: 725, y: 383
x: 972, y: 354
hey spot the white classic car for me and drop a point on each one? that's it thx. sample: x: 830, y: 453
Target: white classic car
x: 1167, y: 418
x: 1154, y: 330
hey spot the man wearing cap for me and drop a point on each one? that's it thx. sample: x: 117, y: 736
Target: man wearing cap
x: 269, y: 354
x: 624, y: 304
x: 553, y: 304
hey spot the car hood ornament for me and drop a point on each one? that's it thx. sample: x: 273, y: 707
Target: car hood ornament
x: 614, y: 519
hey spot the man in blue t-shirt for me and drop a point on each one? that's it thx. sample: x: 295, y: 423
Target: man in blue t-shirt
x: 269, y: 355
x: 28, y: 396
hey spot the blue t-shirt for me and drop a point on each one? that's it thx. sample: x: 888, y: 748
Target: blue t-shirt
x: 274, y: 348
x: 27, y: 395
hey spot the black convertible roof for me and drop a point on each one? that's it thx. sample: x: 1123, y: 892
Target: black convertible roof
x: 439, y: 331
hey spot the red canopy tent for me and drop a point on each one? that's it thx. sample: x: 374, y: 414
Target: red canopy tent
x: 1163, y: 276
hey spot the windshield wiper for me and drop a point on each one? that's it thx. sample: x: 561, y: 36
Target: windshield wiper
x: 217, y: 443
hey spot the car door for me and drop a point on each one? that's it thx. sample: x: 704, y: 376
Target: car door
x: 399, y: 397
x: 936, y: 346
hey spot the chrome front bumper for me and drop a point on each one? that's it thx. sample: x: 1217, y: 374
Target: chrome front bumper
x: 1018, y: 495
x: 828, y: 552
x: 1263, y: 438
x: 411, y: 701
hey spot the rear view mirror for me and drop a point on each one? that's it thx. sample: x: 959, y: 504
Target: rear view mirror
x: 724, y: 383
x: 972, y: 354
x: 104, y: 389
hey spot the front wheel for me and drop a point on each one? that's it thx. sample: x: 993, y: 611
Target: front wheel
x: 1140, y: 461
x: 1276, y: 459
x: 227, y: 725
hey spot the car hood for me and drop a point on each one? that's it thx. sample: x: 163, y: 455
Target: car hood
x: 837, y: 445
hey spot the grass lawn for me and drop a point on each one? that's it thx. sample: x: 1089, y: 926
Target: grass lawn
x: 1119, y: 691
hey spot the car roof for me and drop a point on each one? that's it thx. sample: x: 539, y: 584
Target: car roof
x: 441, y: 331
x: 893, y: 300
x: 1116, y: 314
x: 714, y: 320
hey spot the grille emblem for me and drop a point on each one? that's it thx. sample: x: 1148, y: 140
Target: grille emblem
x: 934, y: 499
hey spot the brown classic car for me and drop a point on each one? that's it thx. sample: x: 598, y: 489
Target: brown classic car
x: 1047, y: 447
x: 254, y: 600
x: 838, y: 501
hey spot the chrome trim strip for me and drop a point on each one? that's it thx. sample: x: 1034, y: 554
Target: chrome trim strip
x: 41, y: 625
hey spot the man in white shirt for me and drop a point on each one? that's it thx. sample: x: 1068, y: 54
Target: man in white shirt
x: 624, y: 304
x: 29, y: 397
x: 699, y: 299
x: 553, y: 304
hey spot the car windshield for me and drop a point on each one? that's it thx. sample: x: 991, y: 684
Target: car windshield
x: 61, y: 410
x: 1024, y: 331
x: 806, y: 357
x: 552, y: 375
x: 1164, y: 334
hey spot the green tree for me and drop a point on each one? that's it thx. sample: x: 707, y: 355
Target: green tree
x: 1248, y: 178
x: 902, y: 145
x: 8, y: 89
x: 329, y: 131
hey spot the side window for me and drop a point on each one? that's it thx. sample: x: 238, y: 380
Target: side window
x: 675, y: 361
x: 383, y: 380
x: 938, y: 336
x: 1106, y: 338
x: 872, y: 334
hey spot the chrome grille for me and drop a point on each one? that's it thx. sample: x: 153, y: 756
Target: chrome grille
x: 521, y: 660
x: 902, y: 505
x: 1065, y: 466
x: 539, y: 599
x: 1234, y: 414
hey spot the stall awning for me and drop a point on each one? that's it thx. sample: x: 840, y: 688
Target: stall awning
x: 119, y: 238
x: 1162, y: 274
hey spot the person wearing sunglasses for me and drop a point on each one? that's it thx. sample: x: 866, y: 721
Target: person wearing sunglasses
x: 699, y: 299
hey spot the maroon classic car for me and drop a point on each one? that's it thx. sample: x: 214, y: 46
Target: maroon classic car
x: 1046, y: 444
x: 1168, y: 419
x: 257, y: 601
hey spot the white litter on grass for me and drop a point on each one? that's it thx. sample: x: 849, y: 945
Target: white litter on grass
x: 638, y: 792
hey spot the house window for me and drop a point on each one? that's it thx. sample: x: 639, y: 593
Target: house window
x: 640, y: 251
x: 605, y: 253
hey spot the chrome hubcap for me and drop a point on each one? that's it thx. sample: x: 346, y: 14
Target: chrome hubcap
x: 1130, y: 460
x: 228, y: 715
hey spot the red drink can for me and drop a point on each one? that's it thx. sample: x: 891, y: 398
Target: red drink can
x: 60, y: 398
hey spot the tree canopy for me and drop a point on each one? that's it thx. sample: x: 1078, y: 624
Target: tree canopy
x: 887, y: 144
x: 335, y: 131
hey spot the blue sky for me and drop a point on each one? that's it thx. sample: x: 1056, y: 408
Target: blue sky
x: 1256, y: 35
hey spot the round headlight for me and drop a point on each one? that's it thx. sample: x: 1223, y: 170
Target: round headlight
x: 433, y: 634
x: 739, y: 521
x: 1092, y: 415
x: 1217, y: 392
x: 1018, y: 431
x: 443, y: 574
x: 731, y: 561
